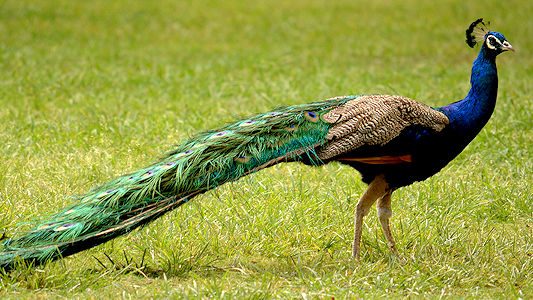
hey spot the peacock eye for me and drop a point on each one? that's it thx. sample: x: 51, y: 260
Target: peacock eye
x: 492, y: 43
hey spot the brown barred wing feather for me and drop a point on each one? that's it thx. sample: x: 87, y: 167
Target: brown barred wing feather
x: 375, y: 120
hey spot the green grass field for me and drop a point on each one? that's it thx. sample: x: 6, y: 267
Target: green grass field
x: 91, y: 90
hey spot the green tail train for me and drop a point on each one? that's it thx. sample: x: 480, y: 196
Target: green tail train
x: 202, y: 163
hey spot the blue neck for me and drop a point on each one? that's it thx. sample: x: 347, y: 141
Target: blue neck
x: 469, y: 115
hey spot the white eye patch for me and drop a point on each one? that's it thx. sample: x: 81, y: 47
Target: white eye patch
x: 492, y: 42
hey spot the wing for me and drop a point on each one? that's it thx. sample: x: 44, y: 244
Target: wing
x: 375, y: 120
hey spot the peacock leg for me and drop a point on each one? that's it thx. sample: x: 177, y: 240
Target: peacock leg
x: 376, y: 189
x: 384, y: 214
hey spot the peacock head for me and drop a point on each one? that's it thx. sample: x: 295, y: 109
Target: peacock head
x: 493, y: 42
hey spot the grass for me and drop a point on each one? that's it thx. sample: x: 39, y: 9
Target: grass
x: 91, y: 90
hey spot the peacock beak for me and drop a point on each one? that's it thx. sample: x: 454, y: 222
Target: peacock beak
x: 507, y: 46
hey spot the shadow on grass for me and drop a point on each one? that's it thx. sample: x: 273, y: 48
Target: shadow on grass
x: 173, y: 266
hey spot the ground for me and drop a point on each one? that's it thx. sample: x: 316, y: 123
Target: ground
x: 91, y: 90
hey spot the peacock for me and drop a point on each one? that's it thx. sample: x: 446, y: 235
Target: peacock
x: 393, y: 141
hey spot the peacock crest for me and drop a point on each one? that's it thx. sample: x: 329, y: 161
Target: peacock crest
x: 476, y: 32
